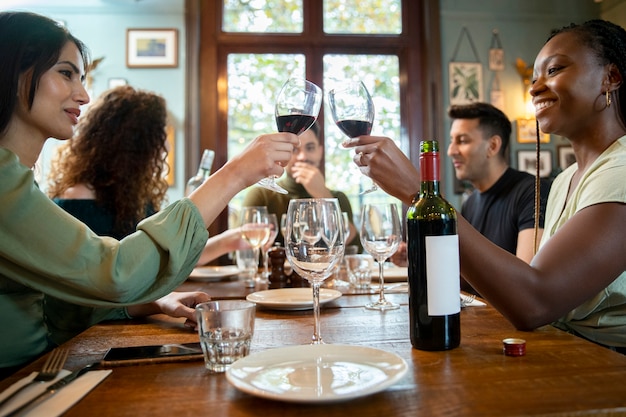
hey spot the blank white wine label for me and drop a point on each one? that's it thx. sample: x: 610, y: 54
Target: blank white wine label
x: 443, y: 275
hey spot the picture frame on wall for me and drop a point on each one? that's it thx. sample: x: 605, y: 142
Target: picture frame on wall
x: 527, y: 132
x: 526, y: 162
x: 117, y: 82
x: 566, y: 156
x: 152, y: 48
x: 465, y: 82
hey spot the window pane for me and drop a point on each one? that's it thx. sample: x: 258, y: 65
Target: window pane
x: 384, y: 87
x: 363, y: 16
x: 254, y: 81
x: 257, y: 16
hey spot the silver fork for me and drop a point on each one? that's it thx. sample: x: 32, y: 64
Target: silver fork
x: 49, y: 371
x: 466, y: 300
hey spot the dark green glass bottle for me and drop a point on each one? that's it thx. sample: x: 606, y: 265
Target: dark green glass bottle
x: 433, y: 254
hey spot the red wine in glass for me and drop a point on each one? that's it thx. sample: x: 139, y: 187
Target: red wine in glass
x: 355, y: 128
x: 352, y: 109
x: 297, y: 106
x: 294, y: 123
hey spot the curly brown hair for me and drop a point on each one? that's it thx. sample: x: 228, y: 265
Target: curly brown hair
x: 119, y: 150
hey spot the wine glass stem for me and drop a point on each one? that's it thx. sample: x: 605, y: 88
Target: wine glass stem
x: 266, y: 272
x: 381, y: 281
x: 255, y: 251
x: 317, y: 338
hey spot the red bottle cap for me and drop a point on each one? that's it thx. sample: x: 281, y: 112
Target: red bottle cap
x: 514, y: 347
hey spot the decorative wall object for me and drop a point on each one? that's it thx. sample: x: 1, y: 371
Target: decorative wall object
x: 497, y: 95
x: 496, y: 53
x: 465, y: 78
x: 526, y: 161
x: 116, y: 82
x: 566, y: 156
x: 152, y: 48
x: 527, y: 132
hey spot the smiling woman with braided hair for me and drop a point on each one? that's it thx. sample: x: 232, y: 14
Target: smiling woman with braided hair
x: 576, y: 280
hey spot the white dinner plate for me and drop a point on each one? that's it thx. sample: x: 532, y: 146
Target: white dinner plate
x: 213, y: 273
x: 291, y: 298
x: 316, y: 373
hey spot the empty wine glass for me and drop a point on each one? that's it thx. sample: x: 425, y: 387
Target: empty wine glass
x: 314, y: 244
x: 353, y: 111
x: 297, y: 107
x: 255, y: 228
x: 381, y: 234
x: 337, y: 281
x: 273, y: 233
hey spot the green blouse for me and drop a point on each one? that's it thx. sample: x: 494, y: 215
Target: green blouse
x: 45, y: 250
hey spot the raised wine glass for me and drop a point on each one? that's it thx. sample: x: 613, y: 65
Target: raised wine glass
x: 314, y: 245
x: 297, y: 107
x: 381, y: 234
x: 353, y: 111
x: 255, y: 229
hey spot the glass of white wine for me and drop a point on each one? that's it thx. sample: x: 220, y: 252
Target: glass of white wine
x: 255, y: 228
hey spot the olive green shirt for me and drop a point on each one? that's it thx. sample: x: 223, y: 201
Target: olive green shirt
x: 43, y: 249
x: 278, y: 203
x: 602, y: 318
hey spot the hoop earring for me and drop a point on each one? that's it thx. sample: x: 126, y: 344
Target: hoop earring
x: 608, y: 99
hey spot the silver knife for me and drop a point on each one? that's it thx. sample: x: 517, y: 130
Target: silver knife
x: 50, y: 391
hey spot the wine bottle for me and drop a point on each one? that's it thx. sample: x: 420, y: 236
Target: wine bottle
x: 433, y: 255
x: 204, y: 171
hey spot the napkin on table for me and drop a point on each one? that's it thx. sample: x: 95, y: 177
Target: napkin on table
x: 58, y: 403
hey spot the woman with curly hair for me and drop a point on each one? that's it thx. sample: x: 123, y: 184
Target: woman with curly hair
x: 110, y: 174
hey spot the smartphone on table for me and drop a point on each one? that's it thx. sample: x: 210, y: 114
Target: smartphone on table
x: 137, y: 355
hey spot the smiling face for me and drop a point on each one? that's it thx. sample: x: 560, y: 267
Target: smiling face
x: 568, y: 86
x: 60, y: 94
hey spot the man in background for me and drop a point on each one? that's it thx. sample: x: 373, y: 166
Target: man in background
x: 502, y: 203
x: 303, y: 179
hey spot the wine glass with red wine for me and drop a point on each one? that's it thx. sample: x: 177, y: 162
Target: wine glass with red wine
x: 353, y: 111
x: 297, y: 107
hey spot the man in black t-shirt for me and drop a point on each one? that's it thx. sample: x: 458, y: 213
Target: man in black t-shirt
x: 502, y: 205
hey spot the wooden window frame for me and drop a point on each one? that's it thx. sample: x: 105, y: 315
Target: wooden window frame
x: 418, y: 50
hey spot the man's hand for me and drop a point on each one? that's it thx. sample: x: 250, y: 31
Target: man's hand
x: 312, y: 179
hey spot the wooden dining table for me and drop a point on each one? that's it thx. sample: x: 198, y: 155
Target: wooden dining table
x: 560, y: 374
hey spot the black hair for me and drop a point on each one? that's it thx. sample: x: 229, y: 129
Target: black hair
x: 30, y: 44
x: 490, y: 119
x: 608, y: 41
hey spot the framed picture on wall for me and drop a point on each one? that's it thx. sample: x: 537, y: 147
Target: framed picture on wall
x: 466, y: 82
x: 152, y: 48
x: 566, y: 156
x: 527, y: 132
x: 526, y: 162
